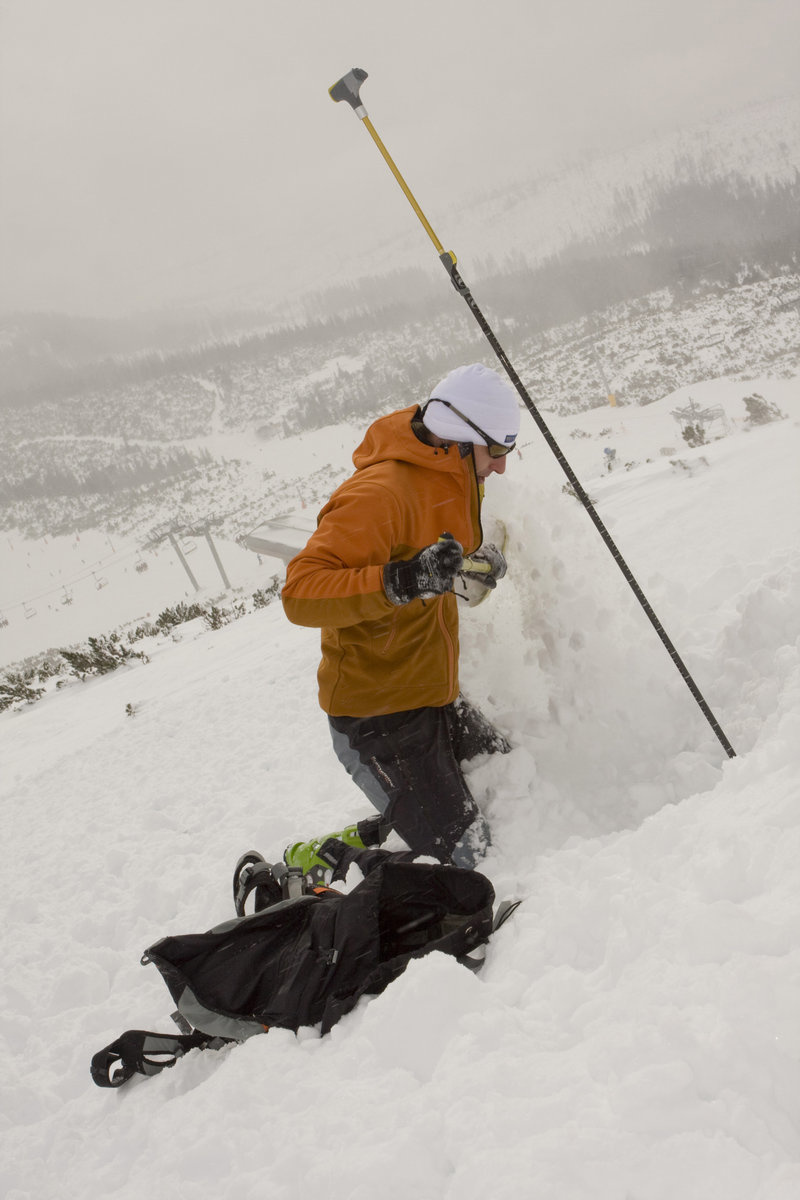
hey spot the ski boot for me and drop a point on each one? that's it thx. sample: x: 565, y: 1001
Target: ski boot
x: 319, y: 858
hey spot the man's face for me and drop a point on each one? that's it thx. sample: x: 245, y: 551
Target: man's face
x: 485, y: 465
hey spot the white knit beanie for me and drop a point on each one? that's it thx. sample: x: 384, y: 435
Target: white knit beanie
x: 482, y: 395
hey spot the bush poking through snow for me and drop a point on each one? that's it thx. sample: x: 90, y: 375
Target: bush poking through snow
x: 264, y: 596
x: 105, y: 653
x: 18, y: 687
x: 694, y: 435
x: 102, y: 655
x: 761, y: 411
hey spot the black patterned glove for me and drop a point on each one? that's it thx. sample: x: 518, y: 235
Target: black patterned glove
x: 429, y: 573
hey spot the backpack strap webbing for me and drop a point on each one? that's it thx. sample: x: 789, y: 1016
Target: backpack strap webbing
x: 254, y: 874
x: 504, y: 911
x: 145, y: 1053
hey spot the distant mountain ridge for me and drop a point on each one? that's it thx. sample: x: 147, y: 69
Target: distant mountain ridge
x: 599, y: 199
x: 748, y: 163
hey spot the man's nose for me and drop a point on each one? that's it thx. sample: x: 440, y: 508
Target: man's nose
x: 498, y: 465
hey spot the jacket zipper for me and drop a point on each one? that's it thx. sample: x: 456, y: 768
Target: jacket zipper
x: 451, y: 650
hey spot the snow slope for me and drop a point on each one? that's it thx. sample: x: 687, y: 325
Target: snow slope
x: 635, y: 1030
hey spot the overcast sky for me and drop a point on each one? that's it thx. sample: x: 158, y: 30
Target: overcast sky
x: 162, y: 152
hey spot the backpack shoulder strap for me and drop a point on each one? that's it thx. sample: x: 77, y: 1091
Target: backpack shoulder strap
x: 145, y: 1053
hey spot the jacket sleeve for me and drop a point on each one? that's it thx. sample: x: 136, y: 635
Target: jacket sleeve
x: 337, y: 580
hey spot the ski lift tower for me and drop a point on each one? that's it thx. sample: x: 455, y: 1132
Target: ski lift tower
x: 693, y: 416
x: 172, y: 534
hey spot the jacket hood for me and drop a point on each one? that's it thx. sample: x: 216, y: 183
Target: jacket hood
x: 391, y: 438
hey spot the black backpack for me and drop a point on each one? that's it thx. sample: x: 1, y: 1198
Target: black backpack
x: 306, y: 955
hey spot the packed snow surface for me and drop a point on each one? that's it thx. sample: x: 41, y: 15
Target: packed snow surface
x: 635, y: 1032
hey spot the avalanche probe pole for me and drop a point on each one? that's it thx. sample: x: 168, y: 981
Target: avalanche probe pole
x: 347, y: 89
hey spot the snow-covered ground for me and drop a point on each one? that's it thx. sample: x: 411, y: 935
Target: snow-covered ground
x: 635, y: 1030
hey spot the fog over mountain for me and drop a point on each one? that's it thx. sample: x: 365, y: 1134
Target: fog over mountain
x: 185, y: 153
x: 702, y: 203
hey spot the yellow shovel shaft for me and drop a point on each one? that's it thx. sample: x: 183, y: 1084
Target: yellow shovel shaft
x: 406, y: 190
x: 474, y: 567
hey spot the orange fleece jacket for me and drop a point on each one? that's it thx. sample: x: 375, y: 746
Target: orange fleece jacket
x: 378, y: 657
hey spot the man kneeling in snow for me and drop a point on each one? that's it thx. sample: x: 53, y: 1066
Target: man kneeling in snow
x: 377, y: 578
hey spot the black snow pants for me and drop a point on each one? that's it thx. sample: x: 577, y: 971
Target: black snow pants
x: 408, y: 766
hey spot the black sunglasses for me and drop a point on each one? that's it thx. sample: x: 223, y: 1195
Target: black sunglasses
x: 496, y: 450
